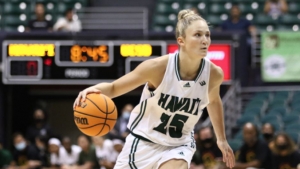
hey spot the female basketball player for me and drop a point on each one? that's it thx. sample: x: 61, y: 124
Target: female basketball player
x: 178, y: 86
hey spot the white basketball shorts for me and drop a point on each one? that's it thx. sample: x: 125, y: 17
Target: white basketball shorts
x: 140, y: 154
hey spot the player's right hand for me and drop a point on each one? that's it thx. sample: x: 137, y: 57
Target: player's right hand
x: 82, y: 95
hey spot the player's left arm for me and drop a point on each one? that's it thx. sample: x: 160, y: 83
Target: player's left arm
x: 216, y: 114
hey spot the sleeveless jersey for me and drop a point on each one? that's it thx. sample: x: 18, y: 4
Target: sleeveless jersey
x: 168, y: 114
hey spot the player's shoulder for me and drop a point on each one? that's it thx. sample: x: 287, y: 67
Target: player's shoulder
x: 158, y: 63
x: 216, y: 72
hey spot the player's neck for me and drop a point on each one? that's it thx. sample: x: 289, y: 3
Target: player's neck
x: 188, y: 65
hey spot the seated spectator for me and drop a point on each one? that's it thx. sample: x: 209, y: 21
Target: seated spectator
x: 68, y: 23
x: 5, y: 157
x: 268, y: 132
x: 87, y: 157
x: 275, y: 8
x: 118, y: 146
x: 25, y: 155
x: 39, y: 23
x: 54, y: 146
x: 236, y: 23
x: 254, y: 152
x: 207, y: 155
x: 104, y: 152
x: 120, y: 130
x: 41, y: 148
x: 68, y: 153
x: 285, y: 154
x: 39, y: 127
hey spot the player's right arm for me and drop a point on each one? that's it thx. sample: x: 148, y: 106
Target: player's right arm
x: 145, y: 72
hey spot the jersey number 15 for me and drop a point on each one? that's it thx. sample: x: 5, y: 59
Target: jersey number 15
x: 175, y: 127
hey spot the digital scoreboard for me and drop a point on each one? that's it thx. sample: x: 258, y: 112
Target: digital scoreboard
x: 89, y: 62
x: 73, y: 62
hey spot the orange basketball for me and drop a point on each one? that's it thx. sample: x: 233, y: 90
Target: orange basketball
x: 96, y: 116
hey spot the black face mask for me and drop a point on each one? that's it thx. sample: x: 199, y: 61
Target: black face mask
x: 38, y: 120
x: 268, y: 136
x: 282, y: 146
x: 207, y: 141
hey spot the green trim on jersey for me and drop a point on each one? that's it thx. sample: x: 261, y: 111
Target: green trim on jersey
x: 132, y: 151
x: 176, y: 66
x: 140, y: 116
x: 200, y: 70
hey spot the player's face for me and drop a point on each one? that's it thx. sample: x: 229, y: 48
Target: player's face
x: 197, y: 38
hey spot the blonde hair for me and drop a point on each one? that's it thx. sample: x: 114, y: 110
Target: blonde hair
x: 185, y: 18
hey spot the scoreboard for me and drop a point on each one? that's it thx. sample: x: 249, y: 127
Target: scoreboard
x: 70, y: 62
x: 73, y: 62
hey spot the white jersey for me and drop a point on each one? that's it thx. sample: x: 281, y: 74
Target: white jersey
x: 168, y: 114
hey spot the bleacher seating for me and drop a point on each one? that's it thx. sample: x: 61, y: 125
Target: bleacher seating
x: 281, y: 109
x: 16, y: 13
x: 215, y: 11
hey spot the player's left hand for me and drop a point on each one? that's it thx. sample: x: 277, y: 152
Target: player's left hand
x: 228, y: 156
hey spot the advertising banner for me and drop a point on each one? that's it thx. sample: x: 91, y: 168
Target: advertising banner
x: 280, y: 56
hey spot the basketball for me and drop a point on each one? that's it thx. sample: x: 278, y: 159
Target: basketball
x: 96, y: 116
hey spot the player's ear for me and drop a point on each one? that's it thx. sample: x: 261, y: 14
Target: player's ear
x: 180, y: 41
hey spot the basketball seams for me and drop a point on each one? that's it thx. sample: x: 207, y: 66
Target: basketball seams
x: 93, y: 115
x: 99, y: 107
x: 95, y: 105
x: 105, y: 114
x: 101, y: 131
x: 94, y: 126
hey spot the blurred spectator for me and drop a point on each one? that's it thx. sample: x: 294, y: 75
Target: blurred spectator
x: 236, y: 23
x: 69, y: 23
x: 254, y: 152
x: 275, y: 8
x: 25, y: 155
x: 5, y: 157
x: 208, y: 155
x: 118, y: 146
x: 54, y: 146
x: 120, y: 128
x: 87, y: 157
x: 104, y: 152
x: 268, y: 132
x: 285, y: 153
x: 41, y: 148
x: 39, y: 127
x: 39, y: 23
x: 67, y: 154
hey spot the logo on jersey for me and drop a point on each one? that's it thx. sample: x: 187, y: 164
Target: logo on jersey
x: 174, y: 103
x: 181, y: 153
x: 202, y: 83
x: 187, y: 85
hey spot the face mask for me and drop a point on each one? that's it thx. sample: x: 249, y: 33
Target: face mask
x: 282, y: 146
x: 207, y: 141
x: 268, y: 136
x: 126, y: 115
x: 21, y: 146
x: 39, y: 120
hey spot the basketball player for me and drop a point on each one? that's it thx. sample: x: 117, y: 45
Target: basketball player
x: 178, y: 86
